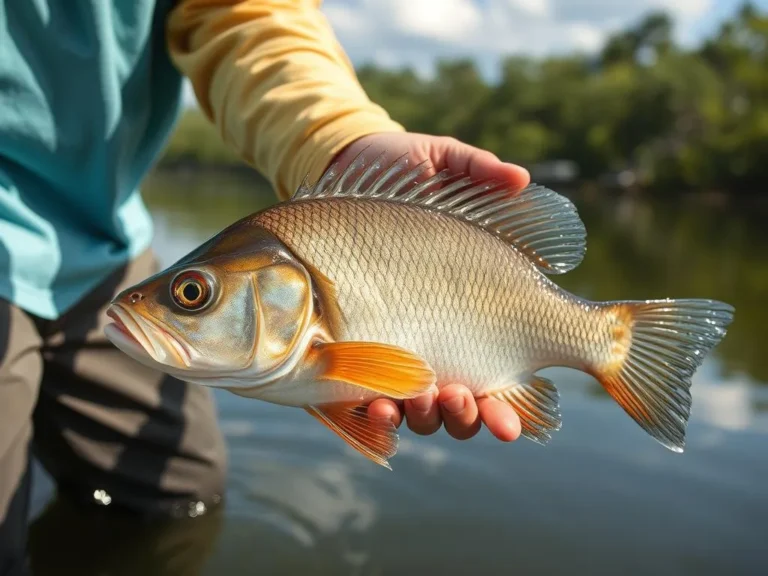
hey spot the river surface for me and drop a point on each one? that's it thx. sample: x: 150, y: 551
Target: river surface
x: 602, y: 499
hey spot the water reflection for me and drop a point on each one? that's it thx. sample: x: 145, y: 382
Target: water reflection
x: 72, y: 538
x: 602, y: 498
x: 640, y: 248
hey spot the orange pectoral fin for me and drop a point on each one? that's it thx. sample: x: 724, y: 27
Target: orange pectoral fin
x: 385, y: 369
x: 376, y: 439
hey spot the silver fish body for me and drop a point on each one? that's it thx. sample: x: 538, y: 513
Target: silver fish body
x: 479, y: 312
x: 381, y: 281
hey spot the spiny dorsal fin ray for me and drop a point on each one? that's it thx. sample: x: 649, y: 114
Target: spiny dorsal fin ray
x: 540, y: 223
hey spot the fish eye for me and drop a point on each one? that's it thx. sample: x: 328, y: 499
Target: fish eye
x: 191, y: 291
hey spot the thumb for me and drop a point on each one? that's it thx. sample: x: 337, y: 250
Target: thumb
x: 479, y: 164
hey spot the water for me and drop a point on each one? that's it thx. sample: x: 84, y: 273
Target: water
x: 603, y: 498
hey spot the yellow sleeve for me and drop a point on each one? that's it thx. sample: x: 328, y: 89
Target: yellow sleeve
x: 273, y: 78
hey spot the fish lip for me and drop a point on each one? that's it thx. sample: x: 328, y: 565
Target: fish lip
x: 138, y: 331
x: 120, y: 325
x: 181, y: 349
x: 124, y: 322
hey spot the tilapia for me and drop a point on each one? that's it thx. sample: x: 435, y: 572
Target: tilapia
x: 384, y: 279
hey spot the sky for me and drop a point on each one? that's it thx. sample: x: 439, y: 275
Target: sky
x: 415, y: 32
x: 395, y: 33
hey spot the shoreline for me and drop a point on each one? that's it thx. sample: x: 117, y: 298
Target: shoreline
x: 587, y: 189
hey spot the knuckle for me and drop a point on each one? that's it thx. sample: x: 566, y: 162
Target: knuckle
x: 423, y: 424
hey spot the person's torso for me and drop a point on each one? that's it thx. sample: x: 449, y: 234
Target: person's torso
x: 87, y: 97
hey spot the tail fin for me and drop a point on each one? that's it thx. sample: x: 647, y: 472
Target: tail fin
x: 662, y: 343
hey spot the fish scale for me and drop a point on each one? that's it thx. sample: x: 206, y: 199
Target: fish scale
x: 479, y: 312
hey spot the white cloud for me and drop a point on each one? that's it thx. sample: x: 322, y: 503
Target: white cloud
x: 535, y: 7
x: 439, y: 19
x: 416, y: 32
x: 585, y: 37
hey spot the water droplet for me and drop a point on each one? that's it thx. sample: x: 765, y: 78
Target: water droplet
x: 196, y: 509
x: 102, y: 497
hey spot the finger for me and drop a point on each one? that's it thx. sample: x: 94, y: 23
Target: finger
x: 480, y: 164
x: 385, y: 408
x: 423, y: 414
x: 459, y: 412
x: 500, y: 419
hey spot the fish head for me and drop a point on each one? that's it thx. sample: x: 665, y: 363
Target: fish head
x: 236, y: 310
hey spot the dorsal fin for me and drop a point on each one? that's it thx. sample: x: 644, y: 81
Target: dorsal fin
x: 540, y: 223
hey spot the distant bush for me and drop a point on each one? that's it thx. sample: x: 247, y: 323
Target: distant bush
x: 196, y: 141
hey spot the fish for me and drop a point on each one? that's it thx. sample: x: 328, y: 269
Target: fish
x: 387, y: 278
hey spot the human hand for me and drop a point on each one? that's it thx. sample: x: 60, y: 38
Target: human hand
x: 454, y: 405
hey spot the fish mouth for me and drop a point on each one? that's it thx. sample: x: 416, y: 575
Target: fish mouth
x: 145, y: 341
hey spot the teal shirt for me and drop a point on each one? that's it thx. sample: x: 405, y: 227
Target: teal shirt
x: 88, y: 96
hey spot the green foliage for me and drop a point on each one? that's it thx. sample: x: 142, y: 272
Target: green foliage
x: 681, y: 119
x: 196, y: 141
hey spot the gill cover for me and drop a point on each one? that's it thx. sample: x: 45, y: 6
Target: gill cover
x: 284, y: 306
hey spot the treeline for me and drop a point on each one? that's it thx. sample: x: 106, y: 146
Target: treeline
x: 676, y: 118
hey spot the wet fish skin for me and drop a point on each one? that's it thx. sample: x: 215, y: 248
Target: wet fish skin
x: 373, y: 283
x: 479, y: 312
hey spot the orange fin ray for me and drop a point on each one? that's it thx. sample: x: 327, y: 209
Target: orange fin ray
x: 376, y: 439
x: 662, y: 343
x: 382, y: 368
x: 537, y: 404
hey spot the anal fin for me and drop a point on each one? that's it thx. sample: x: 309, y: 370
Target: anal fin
x: 537, y: 404
x: 375, y: 439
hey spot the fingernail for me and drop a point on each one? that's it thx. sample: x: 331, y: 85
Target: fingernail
x: 423, y: 403
x: 454, y: 405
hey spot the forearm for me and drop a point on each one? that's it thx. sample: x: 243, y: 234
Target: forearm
x: 272, y: 77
